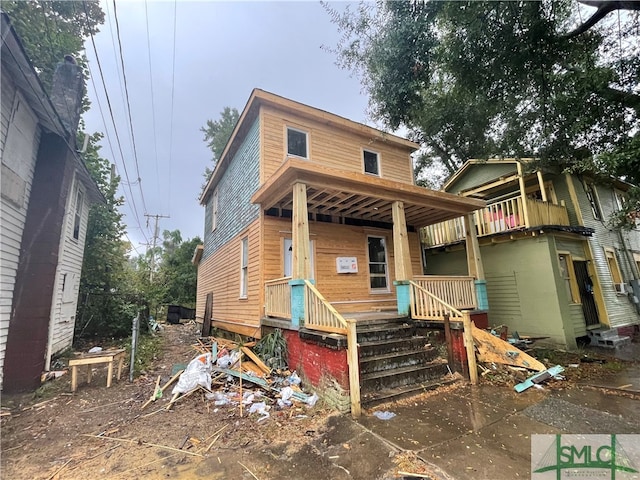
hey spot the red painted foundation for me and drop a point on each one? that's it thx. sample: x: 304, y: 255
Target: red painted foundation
x: 314, y: 362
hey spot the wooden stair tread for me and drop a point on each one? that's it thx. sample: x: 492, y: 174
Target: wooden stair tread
x: 398, y: 371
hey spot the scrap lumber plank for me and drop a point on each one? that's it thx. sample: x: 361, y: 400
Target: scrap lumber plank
x: 492, y: 349
x: 153, y: 396
x: 261, y: 365
x: 261, y: 382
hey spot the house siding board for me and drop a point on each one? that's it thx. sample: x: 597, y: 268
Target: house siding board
x: 349, y: 292
x: 70, y: 263
x: 329, y: 145
x: 620, y: 310
x: 480, y: 174
x: 235, y: 188
x: 562, y: 194
x: 19, y: 161
x: 219, y: 274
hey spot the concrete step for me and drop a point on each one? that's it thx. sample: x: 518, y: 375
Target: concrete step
x: 603, y: 333
x: 381, y: 347
x: 394, y: 360
x: 391, y: 394
x: 610, y: 342
x: 401, y: 377
x: 374, y: 333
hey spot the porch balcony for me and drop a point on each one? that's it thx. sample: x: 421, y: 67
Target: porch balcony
x: 516, y: 213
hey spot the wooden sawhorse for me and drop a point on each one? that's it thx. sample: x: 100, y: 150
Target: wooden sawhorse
x: 89, y: 359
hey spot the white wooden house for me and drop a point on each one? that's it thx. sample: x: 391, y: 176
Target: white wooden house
x: 46, y: 193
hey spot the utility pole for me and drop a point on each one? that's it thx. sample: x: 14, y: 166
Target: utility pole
x: 153, y: 244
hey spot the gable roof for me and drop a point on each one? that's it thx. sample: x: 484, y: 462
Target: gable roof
x: 17, y: 65
x: 260, y: 97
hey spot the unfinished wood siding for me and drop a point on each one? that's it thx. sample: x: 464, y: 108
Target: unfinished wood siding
x: 219, y: 274
x: 67, y: 284
x: 620, y: 309
x: 20, y: 136
x: 330, y: 145
x: 347, y: 292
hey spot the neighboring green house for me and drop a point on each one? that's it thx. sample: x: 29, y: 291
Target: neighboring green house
x: 553, y: 266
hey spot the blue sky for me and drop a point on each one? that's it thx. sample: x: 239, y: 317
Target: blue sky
x: 223, y: 51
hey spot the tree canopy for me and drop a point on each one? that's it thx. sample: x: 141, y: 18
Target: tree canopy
x: 477, y: 79
x: 52, y: 29
x: 217, y: 134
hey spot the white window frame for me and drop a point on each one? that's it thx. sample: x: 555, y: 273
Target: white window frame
x: 77, y: 213
x: 244, y: 267
x: 306, y: 142
x: 378, y: 163
x: 214, y: 209
x: 591, y: 192
x: 619, y: 199
x: 386, y: 265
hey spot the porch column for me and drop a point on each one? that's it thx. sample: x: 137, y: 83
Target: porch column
x: 523, y: 194
x: 474, y: 262
x: 301, y: 265
x: 402, y: 258
x: 543, y: 191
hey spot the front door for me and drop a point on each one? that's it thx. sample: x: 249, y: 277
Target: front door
x: 378, y: 266
x: 287, y: 255
x: 585, y: 285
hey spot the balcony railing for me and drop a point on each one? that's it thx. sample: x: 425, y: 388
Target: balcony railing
x: 498, y: 217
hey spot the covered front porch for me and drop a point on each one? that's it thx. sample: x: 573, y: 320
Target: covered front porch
x: 309, y: 190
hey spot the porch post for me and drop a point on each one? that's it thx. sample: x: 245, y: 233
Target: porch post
x: 402, y: 258
x: 523, y: 195
x: 301, y: 265
x: 474, y: 262
x: 543, y: 191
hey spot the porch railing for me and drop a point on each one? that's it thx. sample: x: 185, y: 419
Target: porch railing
x: 426, y: 305
x: 319, y: 314
x: 498, y: 217
x: 277, y: 298
x: 459, y: 291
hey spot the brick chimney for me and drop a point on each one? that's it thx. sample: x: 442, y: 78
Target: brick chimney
x: 67, y: 92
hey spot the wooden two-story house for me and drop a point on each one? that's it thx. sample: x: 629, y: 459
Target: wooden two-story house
x: 554, y: 267
x: 311, y: 218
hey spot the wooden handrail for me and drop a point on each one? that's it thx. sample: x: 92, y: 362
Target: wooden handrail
x: 277, y: 298
x: 310, y: 287
x: 441, y: 302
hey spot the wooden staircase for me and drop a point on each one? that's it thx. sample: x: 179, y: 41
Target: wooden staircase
x: 395, y: 362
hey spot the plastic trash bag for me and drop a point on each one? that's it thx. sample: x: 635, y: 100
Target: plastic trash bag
x: 286, y: 393
x: 260, y: 408
x: 95, y: 350
x: 198, y: 372
x: 294, y: 379
x: 384, y: 415
x: 312, y: 400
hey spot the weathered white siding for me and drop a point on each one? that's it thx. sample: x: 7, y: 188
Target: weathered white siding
x: 20, y: 136
x: 65, y: 298
x: 620, y: 310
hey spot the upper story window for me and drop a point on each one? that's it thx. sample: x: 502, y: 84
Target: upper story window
x: 371, y: 162
x: 620, y: 199
x: 297, y: 143
x: 77, y: 218
x: 592, y: 196
x: 214, y: 209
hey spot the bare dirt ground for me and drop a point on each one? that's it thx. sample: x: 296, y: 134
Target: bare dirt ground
x: 100, y: 432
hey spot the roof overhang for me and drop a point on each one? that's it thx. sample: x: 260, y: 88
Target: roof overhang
x: 355, y: 195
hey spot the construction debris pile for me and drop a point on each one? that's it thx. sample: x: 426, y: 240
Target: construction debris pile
x: 492, y: 350
x: 231, y: 374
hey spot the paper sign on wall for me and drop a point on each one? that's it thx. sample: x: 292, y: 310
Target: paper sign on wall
x: 347, y: 264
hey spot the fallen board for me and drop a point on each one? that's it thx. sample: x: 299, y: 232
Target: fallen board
x: 492, y: 349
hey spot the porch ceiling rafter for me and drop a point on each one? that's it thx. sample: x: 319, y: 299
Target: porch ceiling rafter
x: 356, y: 195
